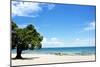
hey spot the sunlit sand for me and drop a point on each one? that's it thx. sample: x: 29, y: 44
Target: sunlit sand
x: 31, y: 59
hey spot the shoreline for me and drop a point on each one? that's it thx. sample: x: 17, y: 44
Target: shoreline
x: 33, y: 59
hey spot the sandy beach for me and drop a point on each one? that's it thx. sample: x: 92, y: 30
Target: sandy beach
x: 29, y: 59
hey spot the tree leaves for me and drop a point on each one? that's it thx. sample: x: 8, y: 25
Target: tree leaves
x: 26, y: 38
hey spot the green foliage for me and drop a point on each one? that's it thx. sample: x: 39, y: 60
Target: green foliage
x: 25, y: 38
x: 14, y: 35
x: 14, y: 26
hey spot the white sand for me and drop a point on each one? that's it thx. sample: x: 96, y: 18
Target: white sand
x: 47, y: 58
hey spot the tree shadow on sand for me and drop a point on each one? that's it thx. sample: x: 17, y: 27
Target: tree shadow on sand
x: 31, y: 58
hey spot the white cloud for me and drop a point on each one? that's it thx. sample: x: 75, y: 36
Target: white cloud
x: 77, y: 39
x: 51, y: 6
x: 55, y: 42
x: 83, y: 42
x: 25, y: 8
x: 29, y: 9
x: 52, y: 41
x: 22, y: 26
x: 91, y: 26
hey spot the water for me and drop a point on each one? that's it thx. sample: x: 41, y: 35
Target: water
x: 63, y: 50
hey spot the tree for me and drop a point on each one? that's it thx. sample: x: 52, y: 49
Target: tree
x: 13, y: 30
x: 25, y: 38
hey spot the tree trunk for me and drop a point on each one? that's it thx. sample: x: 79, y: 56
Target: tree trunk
x: 19, y: 51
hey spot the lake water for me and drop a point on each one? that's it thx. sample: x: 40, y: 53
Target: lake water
x: 62, y: 50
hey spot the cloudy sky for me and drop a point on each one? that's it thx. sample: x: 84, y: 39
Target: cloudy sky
x: 61, y: 25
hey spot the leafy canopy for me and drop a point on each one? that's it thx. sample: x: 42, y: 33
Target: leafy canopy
x: 25, y: 38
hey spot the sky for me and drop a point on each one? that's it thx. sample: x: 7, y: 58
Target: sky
x: 61, y: 25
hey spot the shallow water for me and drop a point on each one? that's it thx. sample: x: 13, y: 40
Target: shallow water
x: 62, y: 50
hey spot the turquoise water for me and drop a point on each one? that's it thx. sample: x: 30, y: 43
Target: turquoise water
x: 63, y: 50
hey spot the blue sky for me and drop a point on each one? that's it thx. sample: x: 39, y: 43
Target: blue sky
x: 61, y: 25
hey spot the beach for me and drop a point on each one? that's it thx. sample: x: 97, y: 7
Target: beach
x: 33, y: 59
